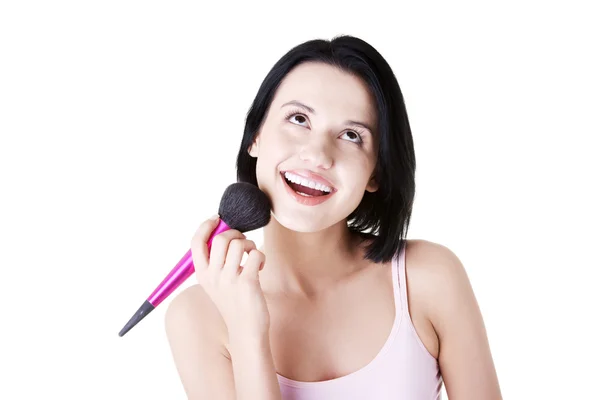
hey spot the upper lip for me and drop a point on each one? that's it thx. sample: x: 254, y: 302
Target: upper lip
x: 310, y: 176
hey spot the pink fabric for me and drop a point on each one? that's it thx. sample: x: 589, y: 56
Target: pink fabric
x: 402, y: 370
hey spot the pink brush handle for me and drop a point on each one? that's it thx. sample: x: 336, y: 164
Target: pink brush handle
x: 183, y: 270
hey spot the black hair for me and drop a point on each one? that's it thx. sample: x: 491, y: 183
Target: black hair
x: 386, y: 212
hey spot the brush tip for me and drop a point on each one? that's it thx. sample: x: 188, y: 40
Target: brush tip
x: 245, y: 207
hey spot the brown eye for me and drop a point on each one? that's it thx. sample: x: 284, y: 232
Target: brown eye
x: 354, y: 137
x: 298, y: 118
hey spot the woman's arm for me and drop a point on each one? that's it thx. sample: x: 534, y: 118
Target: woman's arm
x: 465, y: 358
x: 254, y: 370
x: 196, y: 334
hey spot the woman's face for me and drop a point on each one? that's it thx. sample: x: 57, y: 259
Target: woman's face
x: 321, y: 126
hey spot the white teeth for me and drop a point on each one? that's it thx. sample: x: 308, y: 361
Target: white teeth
x: 322, y: 188
x: 305, y: 182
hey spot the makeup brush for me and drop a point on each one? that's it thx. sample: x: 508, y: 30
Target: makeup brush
x: 243, y: 207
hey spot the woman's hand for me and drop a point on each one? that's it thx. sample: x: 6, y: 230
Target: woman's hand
x: 234, y: 289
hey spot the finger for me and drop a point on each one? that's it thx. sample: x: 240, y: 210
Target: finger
x: 219, y: 248
x: 237, y: 248
x: 199, y: 242
x: 253, y: 264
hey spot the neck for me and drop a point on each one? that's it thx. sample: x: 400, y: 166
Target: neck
x: 306, y: 264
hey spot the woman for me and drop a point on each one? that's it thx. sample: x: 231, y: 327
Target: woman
x: 337, y: 304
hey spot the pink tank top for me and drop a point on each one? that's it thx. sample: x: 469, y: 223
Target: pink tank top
x: 402, y: 370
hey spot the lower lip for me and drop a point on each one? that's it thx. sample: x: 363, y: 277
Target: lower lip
x: 307, y: 201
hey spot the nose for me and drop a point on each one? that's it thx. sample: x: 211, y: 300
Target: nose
x: 317, y: 152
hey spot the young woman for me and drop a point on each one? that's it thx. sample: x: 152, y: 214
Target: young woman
x: 337, y: 304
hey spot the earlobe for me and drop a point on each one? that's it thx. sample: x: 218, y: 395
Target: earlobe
x: 372, y: 186
x: 253, y: 150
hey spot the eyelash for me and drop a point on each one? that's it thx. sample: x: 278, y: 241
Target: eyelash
x: 299, y: 112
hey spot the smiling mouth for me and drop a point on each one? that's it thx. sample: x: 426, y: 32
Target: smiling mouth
x: 304, y: 190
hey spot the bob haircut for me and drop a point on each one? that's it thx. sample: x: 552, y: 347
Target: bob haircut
x: 382, y: 218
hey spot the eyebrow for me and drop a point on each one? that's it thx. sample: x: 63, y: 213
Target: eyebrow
x: 312, y: 111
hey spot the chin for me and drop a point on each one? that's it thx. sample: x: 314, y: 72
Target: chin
x: 299, y: 224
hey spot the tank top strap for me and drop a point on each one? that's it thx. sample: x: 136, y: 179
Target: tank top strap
x: 399, y: 276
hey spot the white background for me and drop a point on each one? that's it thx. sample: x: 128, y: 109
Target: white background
x: 120, y: 122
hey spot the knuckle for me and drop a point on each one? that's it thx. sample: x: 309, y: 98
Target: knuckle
x: 238, y: 235
x: 257, y: 254
x: 203, y: 231
x: 251, y: 256
x: 229, y: 280
x: 231, y: 233
x: 196, y: 245
x: 195, y: 241
x: 237, y: 244
x: 213, y: 263
x: 220, y: 240
x: 198, y: 256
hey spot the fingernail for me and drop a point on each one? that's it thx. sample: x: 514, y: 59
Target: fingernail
x: 215, y: 217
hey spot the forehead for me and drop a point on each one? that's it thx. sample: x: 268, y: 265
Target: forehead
x: 329, y: 90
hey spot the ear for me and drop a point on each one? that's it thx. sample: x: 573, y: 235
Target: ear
x: 253, y: 150
x: 372, y: 186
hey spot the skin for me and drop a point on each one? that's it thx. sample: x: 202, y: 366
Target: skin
x: 314, y: 267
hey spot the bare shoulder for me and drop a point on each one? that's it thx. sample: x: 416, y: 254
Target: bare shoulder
x: 425, y: 261
x: 443, y: 290
x: 440, y: 281
x: 431, y: 258
x: 193, y: 310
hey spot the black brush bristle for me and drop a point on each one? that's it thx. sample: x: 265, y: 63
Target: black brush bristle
x: 245, y: 207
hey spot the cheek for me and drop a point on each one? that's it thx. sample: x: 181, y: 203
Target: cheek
x: 279, y: 143
x: 273, y: 149
x: 359, y: 166
x: 357, y: 175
